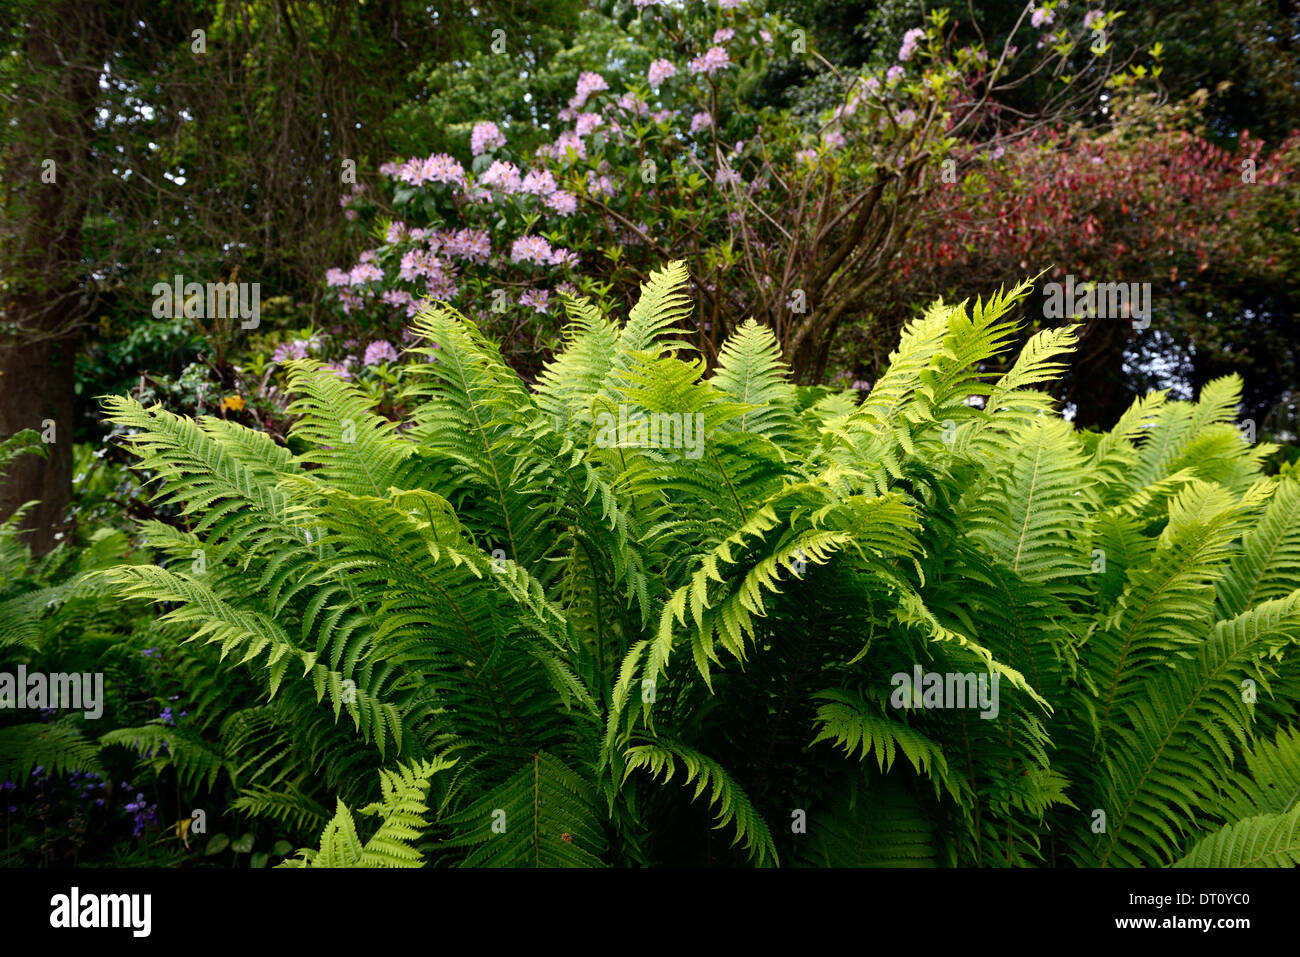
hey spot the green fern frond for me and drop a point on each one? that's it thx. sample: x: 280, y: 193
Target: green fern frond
x: 732, y: 806
x: 1268, y: 840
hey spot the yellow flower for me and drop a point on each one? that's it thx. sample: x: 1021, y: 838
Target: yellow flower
x: 235, y: 402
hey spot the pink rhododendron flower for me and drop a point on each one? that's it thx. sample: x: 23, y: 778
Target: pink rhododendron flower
x: 533, y: 249
x: 910, y: 40
x: 599, y: 185
x: 1041, y: 17
x: 722, y: 35
x: 894, y: 74
x: 336, y: 277
x: 396, y: 231
x: 588, y: 83
x: 538, y: 182
x: 380, y: 351
x: 587, y: 122
x: 295, y: 349
x: 1091, y: 18
x: 537, y: 298
x: 566, y: 204
x: 363, y: 273
x: 441, y: 285
x: 701, y: 121
x: 339, y: 369
x: 711, y: 62
x: 564, y: 257
x: 659, y: 71
x: 472, y: 245
x: 485, y: 136
x: 502, y: 175
x: 632, y: 104
x: 568, y: 140
x: 440, y: 168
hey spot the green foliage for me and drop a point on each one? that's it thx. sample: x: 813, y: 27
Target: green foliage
x: 400, y: 812
x: 530, y: 588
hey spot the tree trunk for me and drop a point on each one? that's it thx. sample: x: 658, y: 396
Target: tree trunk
x: 47, y: 173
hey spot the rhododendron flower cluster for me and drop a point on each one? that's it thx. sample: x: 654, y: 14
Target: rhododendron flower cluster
x: 711, y: 62
x: 660, y: 70
x: 588, y: 83
x: 485, y: 136
x: 910, y: 40
x: 502, y: 175
x: 440, y: 168
x: 380, y: 351
x: 531, y: 249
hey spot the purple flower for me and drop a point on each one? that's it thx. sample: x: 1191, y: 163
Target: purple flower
x: 537, y: 298
x: 144, y: 814
x: 473, y: 245
x: 166, y: 716
x: 599, y: 185
x: 150, y: 652
x: 295, y: 349
x: 566, y: 258
x: 380, y: 351
x: 530, y: 249
x: 365, y: 272
x: 486, y: 136
x: 539, y: 182
x: 566, y: 204
x: 503, y: 176
x: 701, y: 121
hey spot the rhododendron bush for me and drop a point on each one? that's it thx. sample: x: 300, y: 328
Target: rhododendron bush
x: 790, y: 218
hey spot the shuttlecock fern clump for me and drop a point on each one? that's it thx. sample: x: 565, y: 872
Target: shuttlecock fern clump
x: 642, y: 613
